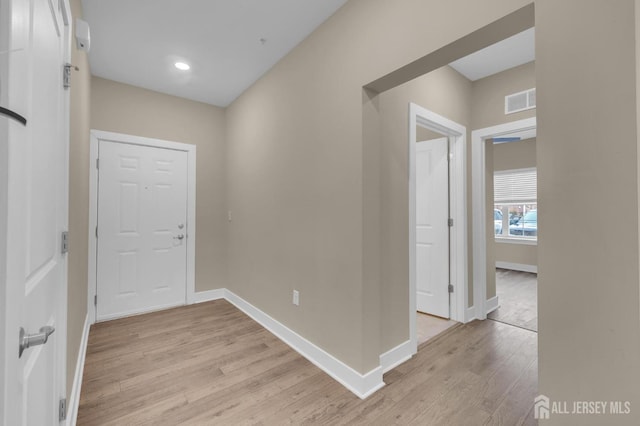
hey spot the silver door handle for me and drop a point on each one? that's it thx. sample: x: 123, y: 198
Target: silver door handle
x: 29, y: 340
x: 180, y: 236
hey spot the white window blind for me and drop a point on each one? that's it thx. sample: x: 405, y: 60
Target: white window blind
x: 512, y: 186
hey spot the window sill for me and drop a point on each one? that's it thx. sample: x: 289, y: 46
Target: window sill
x: 515, y: 240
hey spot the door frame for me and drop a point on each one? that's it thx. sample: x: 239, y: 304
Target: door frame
x: 479, y: 205
x: 419, y: 116
x: 100, y: 135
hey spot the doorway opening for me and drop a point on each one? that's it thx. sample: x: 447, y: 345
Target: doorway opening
x: 514, y: 287
x: 512, y: 256
x: 441, y: 87
x: 437, y: 223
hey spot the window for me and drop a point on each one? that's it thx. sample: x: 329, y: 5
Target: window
x: 516, y: 204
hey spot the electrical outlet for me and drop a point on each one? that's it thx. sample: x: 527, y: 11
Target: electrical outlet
x: 296, y: 297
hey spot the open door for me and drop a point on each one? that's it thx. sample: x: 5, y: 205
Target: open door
x: 33, y: 210
x: 432, y: 227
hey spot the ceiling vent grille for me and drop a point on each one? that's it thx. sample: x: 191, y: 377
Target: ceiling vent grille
x: 520, y: 101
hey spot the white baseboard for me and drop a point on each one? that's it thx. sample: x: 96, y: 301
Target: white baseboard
x: 470, y: 314
x: 362, y: 385
x: 74, y: 398
x: 207, y: 296
x: 492, y: 304
x: 145, y: 310
x: 517, y: 267
x: 396, y: 356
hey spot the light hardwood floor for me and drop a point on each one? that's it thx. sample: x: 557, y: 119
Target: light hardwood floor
x: 518, y: 297
x: 429, y: 326
x: 209, y: 364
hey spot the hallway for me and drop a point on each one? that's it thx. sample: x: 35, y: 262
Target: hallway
x: 211, y: 364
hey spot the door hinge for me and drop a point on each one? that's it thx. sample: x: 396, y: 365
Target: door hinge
x: 66, y: 76
x: 96, y: 232
x: 95, y: 300
x: 450, y: 288
x: 62, y: 410
x: 65, y: 242
x: 97, y: 163
x: 450, y: 222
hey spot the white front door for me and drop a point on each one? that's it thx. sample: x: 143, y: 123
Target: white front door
x: 142, y: 229
x: 33, y: 208
x: 432, y: 228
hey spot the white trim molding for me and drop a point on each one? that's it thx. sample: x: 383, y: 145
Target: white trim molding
x: 96, y: 137
x: 492, y: 304
x: 470, y: 314
x: 419, y: 116
x: 478, y: 196
x: 517, y: 267
x: 206, y: 296
x: 396, y: 356
x: 520, y: 241
x: 362, y: 385
x: 74, y: 398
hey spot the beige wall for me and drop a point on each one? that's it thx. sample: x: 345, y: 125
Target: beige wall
x: 126, y: 109
x: 637, y: 16
x: 521, y: 254
x: 587, y: 155
x: 514, y: 155
x: 507, y: 156
x: 487, y: 108
x: 312, y: 185
x: 311, y: 236
x: 80, y: 109
x: 423, y: 134
x: 445, y: 92
x: 480, y: 102
x: 306, y: 189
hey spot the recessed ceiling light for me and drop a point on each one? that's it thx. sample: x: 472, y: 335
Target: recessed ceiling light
x: 182, y: 66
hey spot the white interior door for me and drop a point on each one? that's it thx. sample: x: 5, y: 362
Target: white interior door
x: 432, y: 228
x: 142, y: 229
x: 34, y: 39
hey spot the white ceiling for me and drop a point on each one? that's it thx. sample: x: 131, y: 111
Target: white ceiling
x: 504, y: 55
x: 138, y: 41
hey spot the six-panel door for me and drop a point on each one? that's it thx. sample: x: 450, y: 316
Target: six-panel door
x: 142, y: 229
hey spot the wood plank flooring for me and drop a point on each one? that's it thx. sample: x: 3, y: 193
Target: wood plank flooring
x: 429, y: 326
x: 209, y: 364
x: 518, y: 297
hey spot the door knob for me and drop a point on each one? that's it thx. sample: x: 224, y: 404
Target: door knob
x: 180, y: 236
x: 180, y: 226
x: 29, y: 340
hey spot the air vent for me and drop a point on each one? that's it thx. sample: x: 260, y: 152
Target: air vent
x: 520, y: 101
